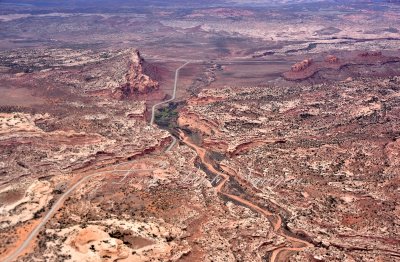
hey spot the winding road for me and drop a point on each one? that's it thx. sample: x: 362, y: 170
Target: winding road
x: 297, y: 244
x: 11, y: 257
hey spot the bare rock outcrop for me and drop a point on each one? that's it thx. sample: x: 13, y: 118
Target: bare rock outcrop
x: 331, y: 59
x: 119, y: 74
x: 137, y: 79
x: 372, y: 62
x: 300, y: 66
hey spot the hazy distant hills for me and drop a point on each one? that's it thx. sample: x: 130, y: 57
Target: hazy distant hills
x: 147, y: 3
x: 90, y: 6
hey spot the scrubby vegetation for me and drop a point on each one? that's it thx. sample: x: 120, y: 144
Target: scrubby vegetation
x: 166, y: 117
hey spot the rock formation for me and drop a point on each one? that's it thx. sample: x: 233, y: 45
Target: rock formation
x: 137, y: 80
x: 331, y: 59
x: 367, y: 63
x: 300, y: 66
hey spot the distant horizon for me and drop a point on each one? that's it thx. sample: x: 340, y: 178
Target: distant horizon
x: 214, y: 130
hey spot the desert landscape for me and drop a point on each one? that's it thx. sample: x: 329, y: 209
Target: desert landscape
x: 203, y: 131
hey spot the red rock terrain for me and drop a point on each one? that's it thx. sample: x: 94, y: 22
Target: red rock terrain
x: 259, y: 169
x: 138, y: 81
x: 49, y: 144
x: 132, y: 201
x: 320, y: 158
x: 119, y: 74
x: 308, y: 68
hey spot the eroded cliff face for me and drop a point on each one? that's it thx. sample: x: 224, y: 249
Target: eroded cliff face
x: 117, y: 74
x: 367, y: 64
x: 137, y: 79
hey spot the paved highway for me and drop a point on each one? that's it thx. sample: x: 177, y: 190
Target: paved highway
x: 64, y: 196
x: 153, y: 109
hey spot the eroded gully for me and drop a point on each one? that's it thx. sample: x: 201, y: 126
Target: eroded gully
x: 281, y: 253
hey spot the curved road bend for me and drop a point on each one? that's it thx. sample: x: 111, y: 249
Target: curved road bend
x: 64, y: 196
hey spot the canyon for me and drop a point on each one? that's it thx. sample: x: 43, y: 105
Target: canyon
x: 207, y: 131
